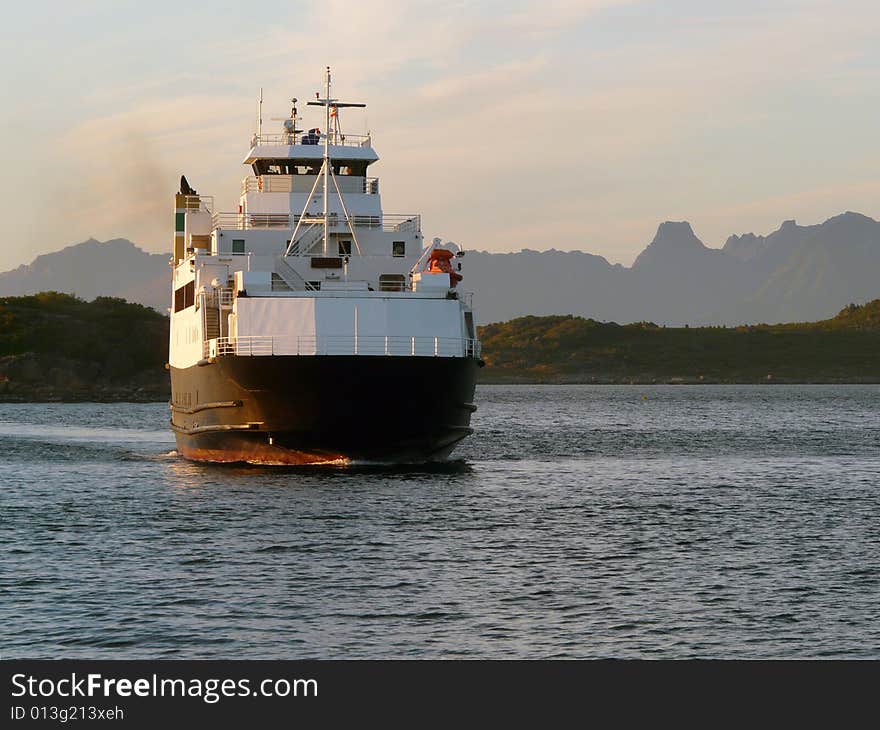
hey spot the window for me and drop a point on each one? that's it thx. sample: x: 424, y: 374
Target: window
x: 392, y: 282
x: 350, y: 167
x: 330, y: 262
x: 274, y: 167
x: 345, y: 248
x: 398, y: 248
x: 316, y: 285
x: 184, y: 296
x: 237, y: 245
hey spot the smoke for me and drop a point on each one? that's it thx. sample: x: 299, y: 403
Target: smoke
x: 115, y: 176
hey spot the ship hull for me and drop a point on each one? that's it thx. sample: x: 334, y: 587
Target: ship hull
x: 318, y: 409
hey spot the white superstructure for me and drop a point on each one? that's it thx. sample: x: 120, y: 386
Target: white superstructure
x: 310, y: 264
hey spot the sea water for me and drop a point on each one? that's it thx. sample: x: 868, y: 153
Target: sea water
x: 579, y: 521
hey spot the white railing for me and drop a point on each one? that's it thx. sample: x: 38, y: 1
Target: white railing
x: 387, y: 222
x: 349, y: 184
x: 417, y: 345
x: 226, y: 296
x: 346, y: 140
x: 199, y: 202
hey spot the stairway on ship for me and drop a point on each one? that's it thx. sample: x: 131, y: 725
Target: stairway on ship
x: 279, y: 283
x: 212, y: 323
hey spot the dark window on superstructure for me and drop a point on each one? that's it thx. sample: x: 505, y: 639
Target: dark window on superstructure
x: 316, y: 285
x: 184, y: 296
x: 350, y: 167
x: 345, y: 248
x: 392, y: 282
x: 274, y: 167
x: 398, y: 249
x: 326, y: 262
x: 237, y: 245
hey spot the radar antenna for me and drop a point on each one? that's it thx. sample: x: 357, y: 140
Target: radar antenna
x: 289, y: 124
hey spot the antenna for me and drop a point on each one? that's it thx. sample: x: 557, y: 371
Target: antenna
x: 260, y: 116
x: 289, y: 123
x: 332, y: 107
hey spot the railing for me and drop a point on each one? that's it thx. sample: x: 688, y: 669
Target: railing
x: 418, y: 345
x: 346, y: 140
x: 215, y: 300
x: 349, y: 184
x: 226, y: 297
x: 199, y: 202
x: 387, y: 222
x: 290, y: 276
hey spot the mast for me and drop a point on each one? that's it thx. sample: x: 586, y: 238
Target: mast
x: 327, y: 102
x: 326, y: 161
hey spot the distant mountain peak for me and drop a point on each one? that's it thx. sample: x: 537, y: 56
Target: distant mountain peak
x: 850, y: 217
x: 678, y: 234
x: 745, y: 247
x: 674, y: 239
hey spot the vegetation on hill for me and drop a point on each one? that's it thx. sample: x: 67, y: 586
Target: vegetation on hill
x: 845, y: 348
x: 56, y: 346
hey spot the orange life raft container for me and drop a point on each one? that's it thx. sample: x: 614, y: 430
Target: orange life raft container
x: 440, y: 262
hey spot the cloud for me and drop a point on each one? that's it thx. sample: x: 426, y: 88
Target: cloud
x: 554, y: 15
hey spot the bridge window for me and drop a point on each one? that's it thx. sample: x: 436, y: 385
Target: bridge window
x: 351, y: 167
x: 237, y: 245
x: 275, y: 167
x: 306, y: 167
x: 398, y: 248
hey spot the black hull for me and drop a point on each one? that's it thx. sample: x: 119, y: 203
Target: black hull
x: 308, y: 409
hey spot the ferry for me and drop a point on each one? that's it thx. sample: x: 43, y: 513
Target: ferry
x: 309, y: 326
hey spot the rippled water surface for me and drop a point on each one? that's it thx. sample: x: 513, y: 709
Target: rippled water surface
x: 581, y: 521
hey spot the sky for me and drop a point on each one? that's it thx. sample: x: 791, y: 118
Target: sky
x: 568, y: 124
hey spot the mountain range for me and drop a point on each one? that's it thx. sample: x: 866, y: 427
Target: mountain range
x: 93, y: 268
x: 796, y: 273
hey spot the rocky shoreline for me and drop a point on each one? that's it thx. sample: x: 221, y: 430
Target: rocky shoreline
x: 33, y: 378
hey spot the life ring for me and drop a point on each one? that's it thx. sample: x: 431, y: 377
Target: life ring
x: 260, y: 183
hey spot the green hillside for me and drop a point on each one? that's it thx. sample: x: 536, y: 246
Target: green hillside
x: 58, y: 347
x: 845, y: 348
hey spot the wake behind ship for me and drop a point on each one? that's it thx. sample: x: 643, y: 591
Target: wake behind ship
x: 310, y: 326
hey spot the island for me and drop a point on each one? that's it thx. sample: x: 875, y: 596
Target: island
x: 566, y: 349
x: 58, y: 347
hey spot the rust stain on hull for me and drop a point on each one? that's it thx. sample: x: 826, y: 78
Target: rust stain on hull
x: 265, y: 455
